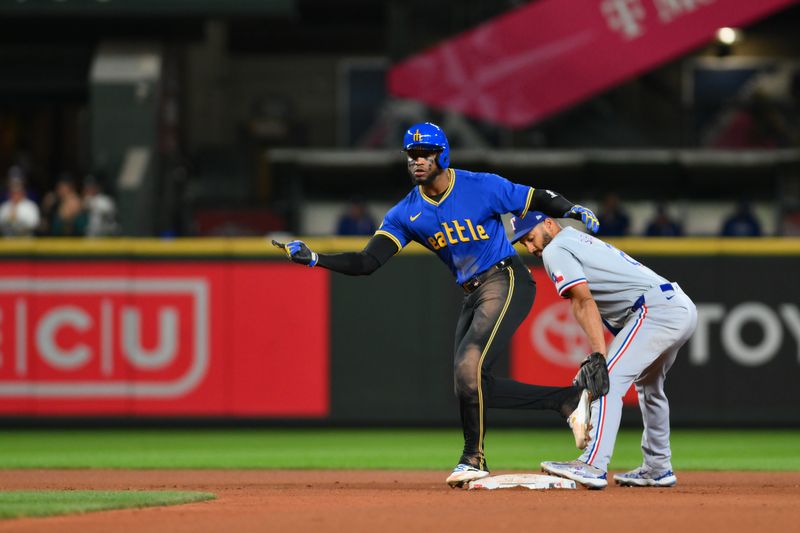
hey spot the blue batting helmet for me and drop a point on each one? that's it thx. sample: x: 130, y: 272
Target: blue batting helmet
x: 427, y: 135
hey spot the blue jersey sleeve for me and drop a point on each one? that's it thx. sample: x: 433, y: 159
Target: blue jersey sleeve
x: 393, y: 228
x: 507, y: 197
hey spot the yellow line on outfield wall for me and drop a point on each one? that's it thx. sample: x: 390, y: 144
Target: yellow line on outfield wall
x: 246, y: 247
x: 258, y: 247
x: 708, y: 246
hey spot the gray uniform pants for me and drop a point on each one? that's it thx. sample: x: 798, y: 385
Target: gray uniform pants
x: 642, y: 353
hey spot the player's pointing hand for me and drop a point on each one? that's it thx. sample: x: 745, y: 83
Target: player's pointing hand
x: 298, y: 252
x: 585, y: 215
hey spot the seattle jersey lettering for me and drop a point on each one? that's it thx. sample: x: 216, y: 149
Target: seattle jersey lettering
x: 476, y: 232
x: 464, y: 225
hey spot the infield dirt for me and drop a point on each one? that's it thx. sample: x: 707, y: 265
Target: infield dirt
x: 306, y: 500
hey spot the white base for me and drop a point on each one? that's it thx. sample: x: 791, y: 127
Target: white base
x: 528, y: 481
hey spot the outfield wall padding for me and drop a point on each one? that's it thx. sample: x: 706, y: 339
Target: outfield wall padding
x: 222, y: 329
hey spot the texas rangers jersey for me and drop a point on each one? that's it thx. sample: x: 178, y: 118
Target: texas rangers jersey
x: 615, y: 279
x: 464, y: 227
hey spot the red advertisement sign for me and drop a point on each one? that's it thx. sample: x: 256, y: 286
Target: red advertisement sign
x: 551, y: 54
x: 550, y: 344
x: 163, y: 338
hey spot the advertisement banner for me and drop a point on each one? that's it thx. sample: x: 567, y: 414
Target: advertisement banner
x: 226, y: 337
x: 745, y: 351
x: 545, y: 56
x: 162, y: 338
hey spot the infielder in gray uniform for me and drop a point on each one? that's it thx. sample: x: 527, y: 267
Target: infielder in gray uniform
x: 651, y: 319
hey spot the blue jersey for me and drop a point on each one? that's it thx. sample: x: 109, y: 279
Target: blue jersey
x: 464, y: 227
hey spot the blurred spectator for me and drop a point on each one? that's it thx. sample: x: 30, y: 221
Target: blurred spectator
x: 356, y: 220
x: 742, y: 223
x: 614, y: 221
x: 662, y: 225
x: 100, y: 209
x: 64, y: 212
x: 19, y: 216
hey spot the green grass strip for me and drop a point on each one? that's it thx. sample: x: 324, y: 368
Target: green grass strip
x: 374, y: 449
x: 16, y: 504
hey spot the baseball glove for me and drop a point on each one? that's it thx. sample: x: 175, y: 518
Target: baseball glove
x: 593, y: 375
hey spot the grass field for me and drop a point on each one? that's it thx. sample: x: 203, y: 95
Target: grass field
x: 49, y: 503
x: 507, y: 449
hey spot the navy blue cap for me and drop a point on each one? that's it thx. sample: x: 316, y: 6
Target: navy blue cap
x: 521, y: 226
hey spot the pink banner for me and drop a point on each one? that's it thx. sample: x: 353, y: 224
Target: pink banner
x: 542, y: 58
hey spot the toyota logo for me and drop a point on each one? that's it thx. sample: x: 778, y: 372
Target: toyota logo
x: 558, y: 336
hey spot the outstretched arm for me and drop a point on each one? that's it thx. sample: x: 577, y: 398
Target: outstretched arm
x: 375, y: 254
x: 554, y: 205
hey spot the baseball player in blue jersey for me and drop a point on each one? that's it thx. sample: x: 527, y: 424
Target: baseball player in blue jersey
x: 651, y: 319
x: 456, y: 214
